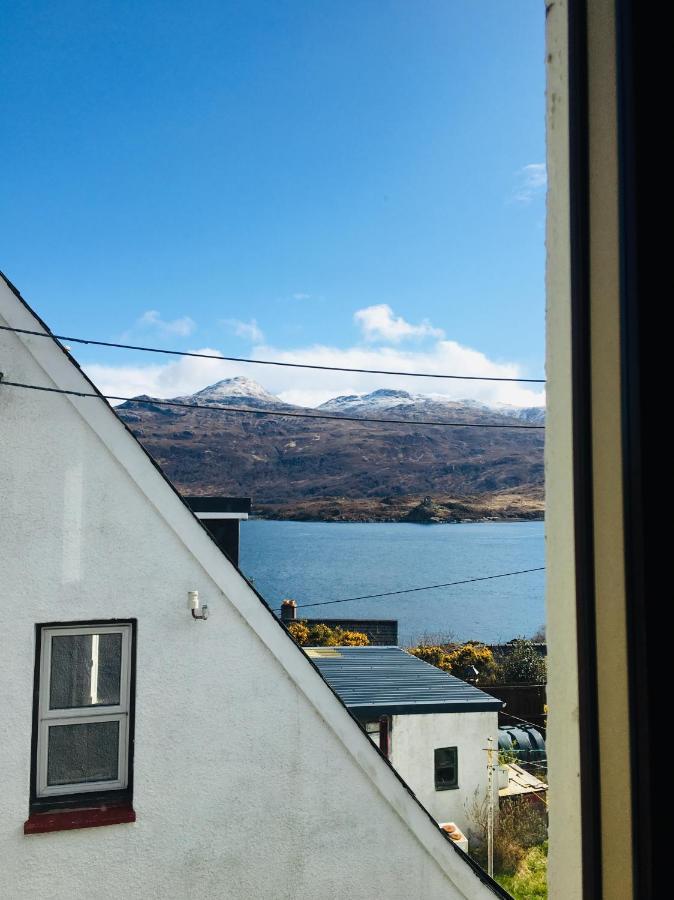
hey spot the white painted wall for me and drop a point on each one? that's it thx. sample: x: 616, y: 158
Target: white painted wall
x: 413, y: 742
x: 251, y: 779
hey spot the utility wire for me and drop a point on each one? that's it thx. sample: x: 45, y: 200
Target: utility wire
x: 518, y: 719
x: 267, y: 362
x: 269, y: 412
x: 428, y: 587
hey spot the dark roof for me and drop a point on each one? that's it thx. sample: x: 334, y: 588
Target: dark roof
x: 381, y: 632
x: 218, y: 504
x: 379, y: 681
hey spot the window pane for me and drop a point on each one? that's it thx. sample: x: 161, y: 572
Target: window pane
x: 446, y: 768
x: 78, y: 754
x: 85, y: 670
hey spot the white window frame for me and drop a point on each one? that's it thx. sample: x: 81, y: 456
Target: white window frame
x: 82, y: 715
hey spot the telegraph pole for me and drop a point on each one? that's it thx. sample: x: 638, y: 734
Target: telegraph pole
x: 490, y: 809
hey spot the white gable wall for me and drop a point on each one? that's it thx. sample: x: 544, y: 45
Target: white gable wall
x: 250, y: 779
x: 413, y: 742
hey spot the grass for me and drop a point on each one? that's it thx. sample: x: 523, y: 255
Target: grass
x: 530, y: 880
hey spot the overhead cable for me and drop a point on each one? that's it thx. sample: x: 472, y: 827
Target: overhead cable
x: 428, y: 587
x: 269, y: 412
x: 266, y: 362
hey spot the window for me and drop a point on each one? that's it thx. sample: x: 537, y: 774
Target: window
x: 379, y: 732
x: 83, y: 716
x: 372, y: 729
x: 446, y: 768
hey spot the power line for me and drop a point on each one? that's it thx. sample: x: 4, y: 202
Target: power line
x: 518, y: 719
x: 268, y: 412
x: 268, y: 362
x: 428, y: 587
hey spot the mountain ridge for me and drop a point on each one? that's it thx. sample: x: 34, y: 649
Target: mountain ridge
x: 287, y: 465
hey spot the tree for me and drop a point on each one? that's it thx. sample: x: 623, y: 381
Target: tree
x: 523, y: 664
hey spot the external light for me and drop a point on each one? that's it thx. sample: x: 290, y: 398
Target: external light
x: 193, y: 603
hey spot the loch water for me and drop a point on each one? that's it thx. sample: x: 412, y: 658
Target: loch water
x: 319, y: 561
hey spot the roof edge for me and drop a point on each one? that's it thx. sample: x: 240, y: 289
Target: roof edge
x: 64, y: 372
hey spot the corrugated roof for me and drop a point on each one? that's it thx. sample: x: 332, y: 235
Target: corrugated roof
x: 379, y: 681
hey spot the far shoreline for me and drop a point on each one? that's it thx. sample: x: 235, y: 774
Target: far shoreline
x: 313, y: 521
x: 521, y: 504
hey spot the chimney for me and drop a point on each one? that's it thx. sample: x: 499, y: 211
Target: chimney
x: 221, y: 516
x: 288, y: 610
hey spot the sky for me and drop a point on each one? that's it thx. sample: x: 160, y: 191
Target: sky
x: 358, y: 183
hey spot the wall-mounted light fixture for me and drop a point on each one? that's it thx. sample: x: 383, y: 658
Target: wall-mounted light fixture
x: 193, y: 602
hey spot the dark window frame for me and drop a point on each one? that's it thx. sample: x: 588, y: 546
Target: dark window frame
x: 89, y: 799
x: 441, y: 784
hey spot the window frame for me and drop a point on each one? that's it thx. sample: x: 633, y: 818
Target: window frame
x: 92, y: 794
x: 444, y: 786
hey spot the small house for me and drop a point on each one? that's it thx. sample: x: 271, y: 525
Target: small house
x: 434, y: 728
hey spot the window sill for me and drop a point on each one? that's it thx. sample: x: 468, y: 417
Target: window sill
x: 67, y: 819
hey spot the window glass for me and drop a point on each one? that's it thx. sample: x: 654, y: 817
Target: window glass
x: 446, y: 768
x: 83, y: 709
x: 83, y: 753
x: 85, y: 670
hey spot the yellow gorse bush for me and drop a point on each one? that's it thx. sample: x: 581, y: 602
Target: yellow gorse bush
x: 320, y: 635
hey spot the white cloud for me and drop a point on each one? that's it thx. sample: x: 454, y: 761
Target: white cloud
x: 301, y: 296
x: 182, y: 327
x: 532, y: 180
x: 378, y: 323
x: 249, y: 330
x: 184, y: 376
x: 307, y: 387
x: 444, y: 357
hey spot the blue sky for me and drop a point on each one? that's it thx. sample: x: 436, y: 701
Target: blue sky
x: 358, y: 182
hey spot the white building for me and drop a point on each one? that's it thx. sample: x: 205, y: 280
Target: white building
x: 434, y: 728
x: 219, y: 761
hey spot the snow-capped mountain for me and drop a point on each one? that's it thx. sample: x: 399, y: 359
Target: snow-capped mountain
x: 245, y: 392
x: 233, y: 391
x: 405, y: 401
x: 534, y: 415
x: 381, y: 399
x: 279, y: 459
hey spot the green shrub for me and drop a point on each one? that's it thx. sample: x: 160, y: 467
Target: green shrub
x: 529, y: 882
x: 522, y: 665
x: 521, y: 823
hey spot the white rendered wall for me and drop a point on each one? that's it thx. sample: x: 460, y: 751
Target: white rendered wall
x: 243, y: 789
x: 413, y: 742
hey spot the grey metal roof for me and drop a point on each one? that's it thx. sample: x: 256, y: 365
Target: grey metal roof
x: 380, y: 681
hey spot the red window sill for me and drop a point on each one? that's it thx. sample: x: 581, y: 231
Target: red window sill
x: 67, y: 819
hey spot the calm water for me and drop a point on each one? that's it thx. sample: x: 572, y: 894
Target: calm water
x: 327, y: 561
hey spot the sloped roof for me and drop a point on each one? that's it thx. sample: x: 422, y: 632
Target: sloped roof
x: 379, y: 681
x: 63, y: 374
